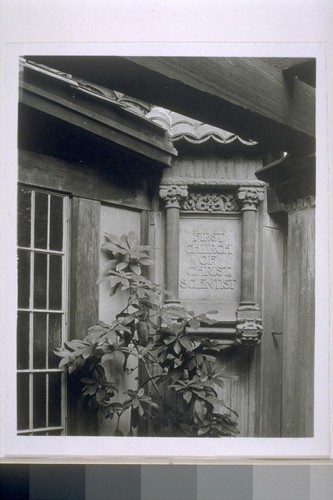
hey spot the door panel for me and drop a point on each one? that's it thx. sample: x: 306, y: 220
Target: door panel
x: 269, y: 417
x: 236, y: 393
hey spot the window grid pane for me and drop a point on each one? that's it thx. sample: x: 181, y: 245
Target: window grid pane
x: 24, y: 220
x: 41, y: 323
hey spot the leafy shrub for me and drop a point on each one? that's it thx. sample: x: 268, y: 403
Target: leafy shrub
x: 177, y: 394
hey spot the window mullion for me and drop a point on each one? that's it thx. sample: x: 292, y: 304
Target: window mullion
x: 31, y: 332
x: 65, y: 292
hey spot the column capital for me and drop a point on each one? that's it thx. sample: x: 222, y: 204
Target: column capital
x: 172, y: 194
x: 250, y: 197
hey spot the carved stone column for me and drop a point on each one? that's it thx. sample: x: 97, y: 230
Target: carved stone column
x: 248, y: 328
x: 172, y: 196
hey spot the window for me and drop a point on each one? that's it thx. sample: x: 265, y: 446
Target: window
x: 41, y: 321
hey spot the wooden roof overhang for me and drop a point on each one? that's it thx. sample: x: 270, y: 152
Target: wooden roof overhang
x: 65, y: 98
x: 247, y: 96
x: 291, y: 178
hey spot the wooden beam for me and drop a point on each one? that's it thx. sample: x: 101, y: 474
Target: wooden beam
x: 285, y: 63
x: 51, y: 173
x: 105, y: 119
x: 243, y: 95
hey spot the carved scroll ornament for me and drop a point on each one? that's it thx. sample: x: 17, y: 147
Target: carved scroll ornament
x: 211, y: 202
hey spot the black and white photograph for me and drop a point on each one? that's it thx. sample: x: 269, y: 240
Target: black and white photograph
x: 168, y: 253
x: 166, y: 246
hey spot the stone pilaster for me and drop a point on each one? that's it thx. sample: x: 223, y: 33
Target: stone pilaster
x: 172, y: 195
x: 248, y: 327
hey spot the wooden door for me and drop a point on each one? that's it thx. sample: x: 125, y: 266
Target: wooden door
x: 269, y: 369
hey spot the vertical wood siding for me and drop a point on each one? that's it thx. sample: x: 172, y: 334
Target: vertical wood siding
x: 85, y: 265
x: 298, y: 344
x: 271, y: 346
x: 84, y: 301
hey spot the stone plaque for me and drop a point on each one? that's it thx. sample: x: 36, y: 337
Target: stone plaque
x: 210, y: 264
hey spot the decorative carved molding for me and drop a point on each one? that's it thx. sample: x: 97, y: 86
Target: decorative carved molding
x: 301, y: 203
x: 249, y: 332
x: 250, y: 197
x: 211, y: 182
x: 174, y: 191
x: 173, y: 194
x: 210, y: 202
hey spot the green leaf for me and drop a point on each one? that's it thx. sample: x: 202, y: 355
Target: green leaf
x: 114, y: 248
x: 114, y: 280
x: 86, y: 353
x: 199, y: 359
x: 194, y: 323
x: 141, y: 392
x: 86, y: 380
x: 177, y: 347
x: 209, y: 358
x: 115, y: 355
x: 200, y: 409
x: 169, y: 339
x: 188, y: 344
x: 100, y: 395
x: 123, y: 240
x: 121, y: 265
x: 64, y: 362
x: 132, y: 239
x: 110, y: 265
x: 218, y: 382
x: 136, y: 268
x: 131, y: 317
x: 145, y: 261
x: 187, y: 396
x: 90, y: 390
x: 203, y: 430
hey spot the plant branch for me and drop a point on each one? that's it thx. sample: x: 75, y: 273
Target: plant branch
x: 168, y: 409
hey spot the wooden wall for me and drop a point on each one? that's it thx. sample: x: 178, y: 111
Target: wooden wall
x: 298, y: 335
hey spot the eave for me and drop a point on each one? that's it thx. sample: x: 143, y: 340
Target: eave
x: 245, y: 96
x: 65, y: 98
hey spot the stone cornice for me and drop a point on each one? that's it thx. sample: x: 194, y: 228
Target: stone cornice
x: 211, y: 182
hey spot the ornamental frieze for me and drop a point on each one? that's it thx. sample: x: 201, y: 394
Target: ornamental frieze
x: 210, y: 202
